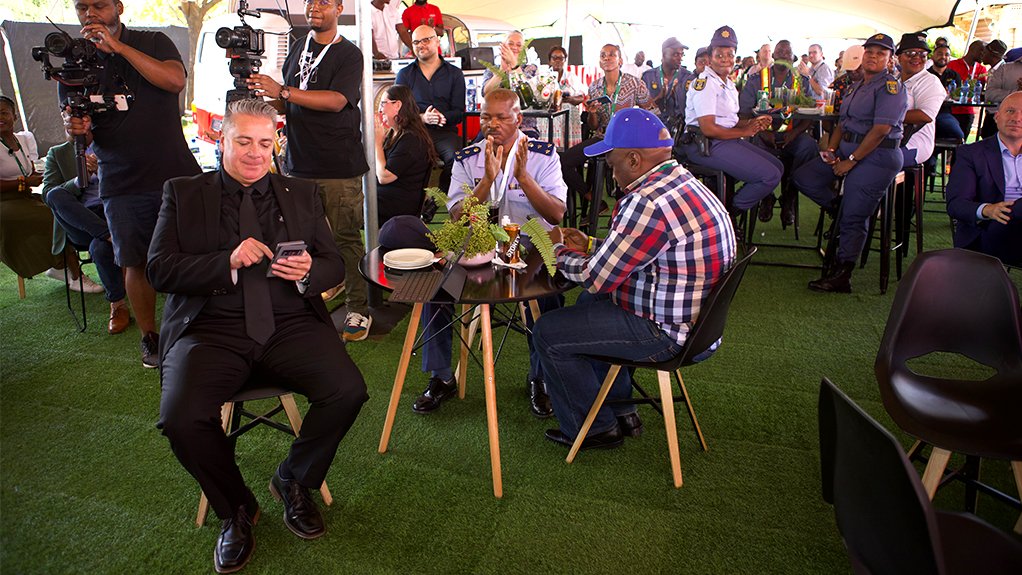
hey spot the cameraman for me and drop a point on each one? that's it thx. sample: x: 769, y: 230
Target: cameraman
x: 139, y: 149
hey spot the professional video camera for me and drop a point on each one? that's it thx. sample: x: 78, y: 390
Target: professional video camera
x: 79, y: 74
x: 245, y: 46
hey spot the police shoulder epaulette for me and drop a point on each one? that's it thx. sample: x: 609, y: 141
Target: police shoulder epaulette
x: 541, y: 147
x: 465, y: 153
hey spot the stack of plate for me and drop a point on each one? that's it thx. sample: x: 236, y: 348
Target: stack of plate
x: 408, y: 259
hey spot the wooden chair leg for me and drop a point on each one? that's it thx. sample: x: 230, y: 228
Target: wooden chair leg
x: 691, y: 410
x: 21, y: 287
x: 468, y: 334
x: 294, y: 417
x: 399, y: 377
x: 226, y: 411
x: 935, y: 470
x: 670, y: 425
x: 608, y: 382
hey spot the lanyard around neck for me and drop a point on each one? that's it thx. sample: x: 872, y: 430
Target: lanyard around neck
x: 14, y: 153
x: 305, y: 70
x: 617, y: 88
x: 497, y: 194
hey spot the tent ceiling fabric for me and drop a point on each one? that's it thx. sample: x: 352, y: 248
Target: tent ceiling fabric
x: 804, y: 18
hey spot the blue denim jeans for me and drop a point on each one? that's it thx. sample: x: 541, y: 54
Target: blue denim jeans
x: 594, y: 325
x: 87, y: 227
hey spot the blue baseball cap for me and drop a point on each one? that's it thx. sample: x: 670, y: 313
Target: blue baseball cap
x: 631, y: 128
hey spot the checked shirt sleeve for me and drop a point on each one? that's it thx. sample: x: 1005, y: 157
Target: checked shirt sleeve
x: 637, y: 238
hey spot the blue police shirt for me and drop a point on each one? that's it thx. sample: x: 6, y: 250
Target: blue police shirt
x: 673, y: 105
x: 543, y: 164
x: 881, y: 100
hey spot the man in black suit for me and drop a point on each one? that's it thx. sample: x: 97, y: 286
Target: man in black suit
x: 227, y: 321
x: 984, y: 190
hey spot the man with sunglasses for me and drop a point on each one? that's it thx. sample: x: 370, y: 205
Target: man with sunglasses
x: 320, y: 96
x: 439, y: 90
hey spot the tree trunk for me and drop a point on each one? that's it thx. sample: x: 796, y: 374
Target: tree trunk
x: 194, y: 12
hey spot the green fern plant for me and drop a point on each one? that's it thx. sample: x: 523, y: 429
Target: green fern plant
x: 475, y: 215
x: 541, y: 241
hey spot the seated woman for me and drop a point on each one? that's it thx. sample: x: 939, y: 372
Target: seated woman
x: 404, y: 155
x: 26, y: 224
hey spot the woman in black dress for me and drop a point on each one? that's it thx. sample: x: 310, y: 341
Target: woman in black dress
x: 404, y: 155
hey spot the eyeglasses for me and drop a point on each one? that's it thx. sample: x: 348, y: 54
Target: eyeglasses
x: 915, y: 53
x: 556, y: 57
x: 382, y: 102
x: 320, y: 3
x: 422, y: 40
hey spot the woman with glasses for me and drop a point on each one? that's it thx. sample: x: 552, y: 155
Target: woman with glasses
x: 404, y: 155
x: 573, y: 93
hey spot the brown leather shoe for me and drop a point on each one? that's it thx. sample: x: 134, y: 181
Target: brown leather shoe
x: 120, y: 319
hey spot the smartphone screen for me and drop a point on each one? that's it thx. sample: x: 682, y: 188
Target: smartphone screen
x: 285, y: 250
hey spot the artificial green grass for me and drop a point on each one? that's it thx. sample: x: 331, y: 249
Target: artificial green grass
x: 88, y: 485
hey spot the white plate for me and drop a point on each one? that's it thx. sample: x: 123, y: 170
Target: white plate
x: 816, y: 111
x: 408, y: 259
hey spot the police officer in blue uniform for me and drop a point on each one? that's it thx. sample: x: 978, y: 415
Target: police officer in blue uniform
x: 523, y: 179
x: 713, y: 131
x: 864, y: 150
x: 667, y: 83
x: 787, y: 141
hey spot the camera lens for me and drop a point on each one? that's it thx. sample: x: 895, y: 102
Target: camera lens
x: 228, y: 38
x: 58, y: 44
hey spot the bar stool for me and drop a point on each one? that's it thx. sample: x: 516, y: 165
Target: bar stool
x: 885, y: 215
x: 232, y: 412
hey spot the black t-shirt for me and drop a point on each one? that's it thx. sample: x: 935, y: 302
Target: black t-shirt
x: 142, y: 148
x: 407, y: 160
x: 326, y: 145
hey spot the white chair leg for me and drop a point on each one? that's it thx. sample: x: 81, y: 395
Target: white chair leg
x: 600, y: 397
x: 670, y: 424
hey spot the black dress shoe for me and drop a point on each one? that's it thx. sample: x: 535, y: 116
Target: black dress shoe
x: 630, y: 424
x: 787, y: 211
x: 840, y: 281
x: 605, y: 440
x: 235, y: 544
x: 301, y: 514
x: 436, y: 392
x: 539, y: 401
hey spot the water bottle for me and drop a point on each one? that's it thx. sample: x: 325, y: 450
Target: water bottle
x: 951, y: 87
x: 470, y: 95
x: 977, y: 93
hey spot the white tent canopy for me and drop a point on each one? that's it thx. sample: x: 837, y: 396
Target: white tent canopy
x: 777, y: 18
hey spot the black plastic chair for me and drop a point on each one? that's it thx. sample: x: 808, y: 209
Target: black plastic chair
x: 886, y: 521
x: 231, y: 415
x: 963, y: 302
x: 706, y: 330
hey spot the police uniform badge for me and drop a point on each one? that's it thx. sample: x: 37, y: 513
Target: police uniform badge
x: 892, y: 87
x: 878, y: 37
x: 541, y: 147
x: 466, y: 153
x: 655, y: 86
x: 687, y: 84
x: 725, y: 34
x: 700, y: 84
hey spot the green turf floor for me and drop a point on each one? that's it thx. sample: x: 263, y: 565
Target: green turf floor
x: 88, y: 485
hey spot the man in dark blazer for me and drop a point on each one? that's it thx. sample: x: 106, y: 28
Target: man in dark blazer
x: 985, y: 186
x: 227, y: 321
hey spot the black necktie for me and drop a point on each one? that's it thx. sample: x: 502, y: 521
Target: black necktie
x: 255, y: 285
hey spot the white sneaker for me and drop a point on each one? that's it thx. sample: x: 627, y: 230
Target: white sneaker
x: 55, y: 274
x: 88, y: 285
x: 356, y: 326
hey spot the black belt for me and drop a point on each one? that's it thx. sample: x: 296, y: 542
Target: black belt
x: 856, y: 138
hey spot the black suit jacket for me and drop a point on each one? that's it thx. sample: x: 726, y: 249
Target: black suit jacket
x: 186, y: 262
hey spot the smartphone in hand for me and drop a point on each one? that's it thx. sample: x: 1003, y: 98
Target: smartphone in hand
x: 285, y: 250
x: 828, y: 157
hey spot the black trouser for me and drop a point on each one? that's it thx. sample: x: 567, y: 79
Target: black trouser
x: 965, y: 122
x: 214, y: 359
x: 572, y: 161
x: 447, y: 143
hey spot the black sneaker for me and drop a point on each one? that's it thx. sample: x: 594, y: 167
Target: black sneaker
x: 151, y: 350
x: 437, y: 391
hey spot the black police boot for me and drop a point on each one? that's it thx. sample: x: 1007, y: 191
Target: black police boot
x: 539, y: 401
x: 840, y: 281
x: 766, y: 208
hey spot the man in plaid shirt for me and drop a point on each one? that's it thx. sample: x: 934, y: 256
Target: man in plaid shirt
x: 670, y: 242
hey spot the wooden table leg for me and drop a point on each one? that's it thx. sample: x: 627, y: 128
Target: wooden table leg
x: 490, y: 389
x: 399, y: 379
x: 467, y: 335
